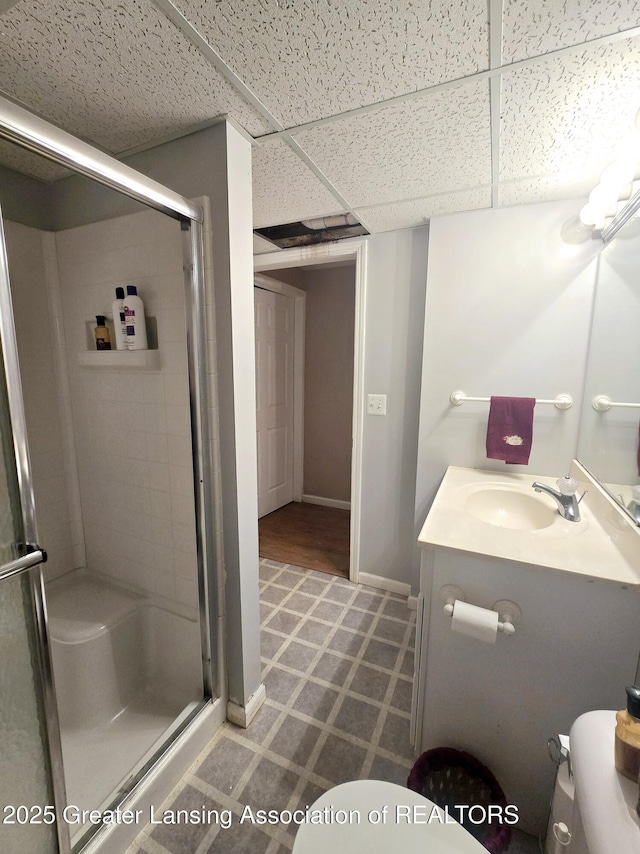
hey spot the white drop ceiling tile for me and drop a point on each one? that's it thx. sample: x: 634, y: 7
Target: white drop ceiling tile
x: 117, y: 73
x: 262, y: 246
x: 285, y: 189
x: 24, y: 161
x: 416, y: 212
x: 538, y: 26
x: 437, y: 143
x: 549, y: 188
x: 306, y: 59
x: 569, y: 112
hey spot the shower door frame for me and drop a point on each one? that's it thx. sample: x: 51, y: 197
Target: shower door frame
x: 28, y: 131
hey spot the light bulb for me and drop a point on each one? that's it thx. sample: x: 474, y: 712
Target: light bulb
x: 591, y: 214
x: 603, y: 196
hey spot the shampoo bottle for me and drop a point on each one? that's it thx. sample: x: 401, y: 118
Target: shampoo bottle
x: 119, y: 326
x: 627, y: 741
x: 103, y: 338
x: 134, y: 318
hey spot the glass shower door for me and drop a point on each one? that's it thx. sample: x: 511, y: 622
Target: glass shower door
x: 27, y: 806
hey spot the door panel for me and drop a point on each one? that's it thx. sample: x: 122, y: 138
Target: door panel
x: 26, y: 780
x: 274, y: 322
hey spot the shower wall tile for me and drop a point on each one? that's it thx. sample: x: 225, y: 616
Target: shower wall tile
x: 35, y: 348
x: 133, y: 428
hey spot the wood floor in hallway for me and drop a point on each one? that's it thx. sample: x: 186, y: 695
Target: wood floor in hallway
x: 307, y: 535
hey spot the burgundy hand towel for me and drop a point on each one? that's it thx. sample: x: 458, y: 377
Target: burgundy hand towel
x: 510, y: 429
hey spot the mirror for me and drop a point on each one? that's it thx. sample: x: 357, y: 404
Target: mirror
x: 608, y: 443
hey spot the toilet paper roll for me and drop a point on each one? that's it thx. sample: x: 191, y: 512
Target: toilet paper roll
x: 478, y: 623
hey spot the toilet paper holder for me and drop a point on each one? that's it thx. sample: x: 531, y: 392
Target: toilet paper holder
x: 508, y: 612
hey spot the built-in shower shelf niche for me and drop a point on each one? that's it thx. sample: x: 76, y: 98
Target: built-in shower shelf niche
x: 121, y: 360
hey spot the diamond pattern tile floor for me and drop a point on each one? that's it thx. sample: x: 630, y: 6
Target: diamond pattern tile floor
x: 337, y: 663
x: 323, y: 721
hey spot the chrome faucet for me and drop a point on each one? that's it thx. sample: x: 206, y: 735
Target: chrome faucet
x: 634, y: 508
x: 634, y: 505
x: 565, y: 497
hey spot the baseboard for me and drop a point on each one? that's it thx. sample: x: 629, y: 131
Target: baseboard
x: 383, y: 583
x: 412, y: 603
x: 326, y: 502
x: 243, y: 715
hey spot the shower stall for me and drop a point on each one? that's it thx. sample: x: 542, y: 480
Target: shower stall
x: 109, y: 535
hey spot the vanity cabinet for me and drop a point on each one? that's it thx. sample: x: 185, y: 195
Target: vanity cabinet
x: 574, y: 650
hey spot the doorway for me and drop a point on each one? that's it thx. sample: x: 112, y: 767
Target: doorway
x: 318, y: 527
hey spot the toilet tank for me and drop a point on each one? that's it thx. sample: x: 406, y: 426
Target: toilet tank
x: 606, y: 821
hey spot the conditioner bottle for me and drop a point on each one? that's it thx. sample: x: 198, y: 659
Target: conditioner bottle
x: 119, y: 326
x: 134, y: 318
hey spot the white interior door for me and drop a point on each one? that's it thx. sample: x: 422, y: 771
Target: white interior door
x: 274, y: 320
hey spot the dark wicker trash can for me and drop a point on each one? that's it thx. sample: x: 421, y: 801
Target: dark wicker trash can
x: 451, y: 777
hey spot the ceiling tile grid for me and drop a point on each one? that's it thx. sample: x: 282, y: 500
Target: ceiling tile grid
x: 417, y: 212
x: 569, y: 112
x: 262, y: 246
x: 117, y: 73
x: 437, y: 143
x: 285, y: 189
x: 576, y: 184
x: 307, y: 59
x: 539, y: 26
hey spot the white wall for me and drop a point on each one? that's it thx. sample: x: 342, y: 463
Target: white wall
x: 396, y: 275
x: 507, y: 313
x: 230, y: 177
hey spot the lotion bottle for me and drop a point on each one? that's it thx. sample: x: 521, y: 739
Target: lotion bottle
x: 103, y: 338
x: 119, y: 326
x: 134, y: 318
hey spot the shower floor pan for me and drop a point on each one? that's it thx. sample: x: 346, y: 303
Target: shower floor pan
x: 125, y: 673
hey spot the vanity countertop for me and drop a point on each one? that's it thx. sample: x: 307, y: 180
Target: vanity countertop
x: 603, y: 545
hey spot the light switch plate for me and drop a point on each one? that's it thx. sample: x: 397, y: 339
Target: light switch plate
x: 376, y: 404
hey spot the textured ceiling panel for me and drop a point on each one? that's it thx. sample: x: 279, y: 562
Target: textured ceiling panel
x: 24, y: 161
x: 415, y: 213
x: 285, y: 189
x: 549, y: 188
x: 306, y: 59
x: 117, y: 73
x: 434, y: 144
x: 539, y: 26
x: 569, y: 113
x: 262, y: 246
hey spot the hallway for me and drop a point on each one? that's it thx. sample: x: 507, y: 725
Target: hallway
x: 307, y: 535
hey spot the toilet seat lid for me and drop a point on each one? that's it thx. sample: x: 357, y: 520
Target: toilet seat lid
x: 357, y: 799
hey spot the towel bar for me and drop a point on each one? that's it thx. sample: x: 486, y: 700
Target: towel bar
x: 562, y: 401
x: 601, y: 403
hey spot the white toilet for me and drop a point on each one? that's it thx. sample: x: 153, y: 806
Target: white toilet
x: 355, y: 820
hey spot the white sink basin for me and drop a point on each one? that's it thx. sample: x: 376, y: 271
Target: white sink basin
x: 498, y: 514
x: 506, y: 507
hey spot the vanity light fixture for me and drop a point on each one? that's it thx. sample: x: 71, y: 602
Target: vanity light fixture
x: 616, y: 199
